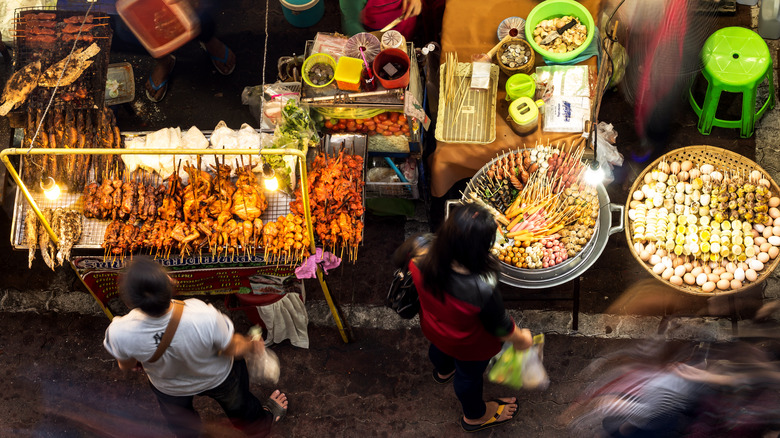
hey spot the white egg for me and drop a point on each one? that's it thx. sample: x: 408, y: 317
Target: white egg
x: 644, y: 255
x: 774, y: 240
x: 707, y: 169
x: 701, y: 279
x: 680, y: 270
x: 739, y: 274
x: 756, y: 265
x: 639, y: 195
x: 655, y: 259
x: 696, y: 271
x: 675, y: 280
x: 667, y: 261
x: 659, y: 269
x: 667, y: 274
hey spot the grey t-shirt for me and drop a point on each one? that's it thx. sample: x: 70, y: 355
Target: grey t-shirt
x: 192, y: 363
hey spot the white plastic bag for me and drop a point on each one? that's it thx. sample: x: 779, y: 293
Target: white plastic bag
x: 520, y: 369
x: 263, y: 367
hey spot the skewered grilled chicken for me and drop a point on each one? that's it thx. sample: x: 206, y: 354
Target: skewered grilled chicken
x: 73, y: 68
x: 70, y: 234
x: 106, y: 199
x: 91, y: 200
x: 31, y: 235
x: 19, y: 86
x: 129, y: 193
x: 116, y: 195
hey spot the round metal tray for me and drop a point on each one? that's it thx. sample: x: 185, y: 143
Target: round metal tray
x: 572, y: 267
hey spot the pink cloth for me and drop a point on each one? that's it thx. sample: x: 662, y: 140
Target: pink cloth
x: 379, y: 13
x: 308, y: 269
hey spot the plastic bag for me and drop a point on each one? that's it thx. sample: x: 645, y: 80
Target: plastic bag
x: 263, y: 368
x: 608, y: 155
x: 520, y: 369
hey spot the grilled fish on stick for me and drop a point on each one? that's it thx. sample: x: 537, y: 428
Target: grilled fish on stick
x: 44, y: 240
x: 19, y: 86
x: 70, y: 234
x: 73, y: 68
x: 31, y: 235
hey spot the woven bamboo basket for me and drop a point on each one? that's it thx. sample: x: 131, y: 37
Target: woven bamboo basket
x: 525, y: 68
x: 724, y: 161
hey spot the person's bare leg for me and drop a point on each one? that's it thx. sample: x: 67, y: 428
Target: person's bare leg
x: 217, y: 49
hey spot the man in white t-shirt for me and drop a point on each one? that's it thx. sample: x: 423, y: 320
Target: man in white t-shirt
x: 204, y: 356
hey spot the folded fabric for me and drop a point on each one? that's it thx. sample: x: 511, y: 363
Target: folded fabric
x: 286, y: 319
x: 308, y: 269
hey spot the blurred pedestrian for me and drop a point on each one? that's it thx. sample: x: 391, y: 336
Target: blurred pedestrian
x: 186, y: 348
x: 223, y: 59
x: 461, y: 310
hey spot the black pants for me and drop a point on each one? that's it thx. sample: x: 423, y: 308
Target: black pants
x: 467, y: 382
x: 241, y: 406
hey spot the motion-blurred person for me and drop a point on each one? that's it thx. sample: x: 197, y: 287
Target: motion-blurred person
x: 674, y: 388
x: 203, y: 355
x: 223, y: 59
x: 370, y: 15
x: 461, y: 310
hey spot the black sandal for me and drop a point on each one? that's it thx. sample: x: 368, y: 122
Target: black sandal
x: 492, y: 421
x: 440, y: 380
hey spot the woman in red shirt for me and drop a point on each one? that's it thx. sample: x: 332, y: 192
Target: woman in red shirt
x: 461, y: 310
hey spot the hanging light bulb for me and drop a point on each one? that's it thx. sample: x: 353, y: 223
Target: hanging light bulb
x: 594, y: 174
x: 50, y: 188
x: 271, y: 183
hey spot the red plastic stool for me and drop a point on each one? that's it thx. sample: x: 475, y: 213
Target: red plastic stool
x: 249, y: 303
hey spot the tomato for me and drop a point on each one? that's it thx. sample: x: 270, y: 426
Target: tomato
x: 351, y: 124
x: 352, y: 128
x: 328, y: 124
x: 402, y: 119
x: 387, y: 133
x: 380, y: 130
x: 383, y: 117
x: 341, y: 126
x: 393, y: 128
x: 377, y: 120
x: 393, y: 117
x: 371, y: 125
x: 398, y: 133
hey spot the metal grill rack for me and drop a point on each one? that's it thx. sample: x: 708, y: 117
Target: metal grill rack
x: 93, y: 79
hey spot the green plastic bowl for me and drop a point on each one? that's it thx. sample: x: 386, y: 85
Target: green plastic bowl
x: 555, y: 9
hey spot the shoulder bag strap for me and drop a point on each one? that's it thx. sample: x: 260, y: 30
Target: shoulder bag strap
x: 178, y: 309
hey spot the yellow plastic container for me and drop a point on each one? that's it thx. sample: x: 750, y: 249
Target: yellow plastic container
x: 348, y: 73
x: 311, y: 61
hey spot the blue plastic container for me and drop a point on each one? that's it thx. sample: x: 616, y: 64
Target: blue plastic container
x: 303, y: 13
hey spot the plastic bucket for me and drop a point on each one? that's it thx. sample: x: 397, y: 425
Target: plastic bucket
x: 555, y: 9
x: 395, y: 56
x: 303, y: 13
x: 311, y: 61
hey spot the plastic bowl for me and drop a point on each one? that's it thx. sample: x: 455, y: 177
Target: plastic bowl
x: 311, y: 61
x: 555, y: 9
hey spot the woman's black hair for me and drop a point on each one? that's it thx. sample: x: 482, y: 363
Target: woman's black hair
x: 466, y: 237
x: 146, y: 285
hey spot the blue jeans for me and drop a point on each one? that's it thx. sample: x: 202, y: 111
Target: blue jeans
x: 467, y: 382
x: 241, y: 406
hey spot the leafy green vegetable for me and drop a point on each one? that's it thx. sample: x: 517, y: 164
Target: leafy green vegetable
x: 294, y: 132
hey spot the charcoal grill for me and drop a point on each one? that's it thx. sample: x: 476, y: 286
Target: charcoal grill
x: 93, y: 80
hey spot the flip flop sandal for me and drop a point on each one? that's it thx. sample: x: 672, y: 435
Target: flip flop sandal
x: 223, y: 60
x: 442, y: 381
x: 275, y: 409
x: 162, y: 85
x: 492, y: 422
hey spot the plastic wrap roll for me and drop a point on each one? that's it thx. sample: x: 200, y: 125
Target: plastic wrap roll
x: 392, y: 39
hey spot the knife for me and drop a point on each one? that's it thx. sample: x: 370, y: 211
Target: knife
x: 556, y: 33
x: 392, y: 24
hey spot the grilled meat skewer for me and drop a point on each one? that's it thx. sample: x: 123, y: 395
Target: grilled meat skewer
x: 31, y: 235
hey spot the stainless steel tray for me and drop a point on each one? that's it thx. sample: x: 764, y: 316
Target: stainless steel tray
x: 572, y: 267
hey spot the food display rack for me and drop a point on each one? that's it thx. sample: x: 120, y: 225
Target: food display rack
x: 723, y: 160
x: 72, y: 200
x: 389, y: 102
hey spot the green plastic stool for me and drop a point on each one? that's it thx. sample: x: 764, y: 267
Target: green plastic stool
x: 736, y: 60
